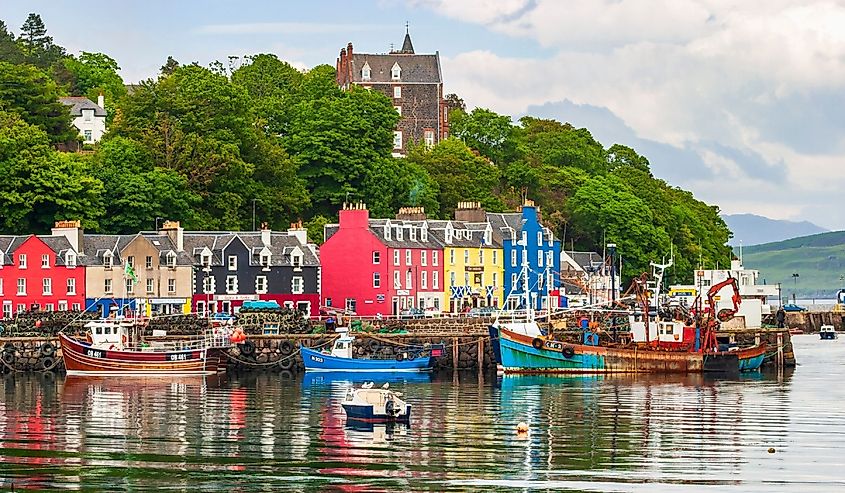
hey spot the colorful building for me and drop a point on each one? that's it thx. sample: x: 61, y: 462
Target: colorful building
x: 530, y: 247
x: 472, y: 259
x: 381, y: 266
x: 233, y: 267
x: 39, y: 273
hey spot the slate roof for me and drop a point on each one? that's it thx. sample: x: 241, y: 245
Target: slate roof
x: 59, y: 244
x: 77, y: 104
x: 586, y: 259
x: 377, y: 228
x: 6, y: 248
x: 281, y: 246
x: 415, y: 68
x: 95, y: 246
x: 501, y: 221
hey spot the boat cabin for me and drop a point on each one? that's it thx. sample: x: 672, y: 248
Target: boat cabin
x: 827, y: 332
x: 671, y: 335
x: 109, y: 333
x: 342, y: 347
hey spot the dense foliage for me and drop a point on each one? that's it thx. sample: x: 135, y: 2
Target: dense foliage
x: 208, y: 146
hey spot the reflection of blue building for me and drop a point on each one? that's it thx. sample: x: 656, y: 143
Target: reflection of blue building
x: 103, y: 306
x: 525, y: 239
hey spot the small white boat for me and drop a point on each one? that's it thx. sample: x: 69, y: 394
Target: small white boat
x: 827, y: 332
x: 376, y: 405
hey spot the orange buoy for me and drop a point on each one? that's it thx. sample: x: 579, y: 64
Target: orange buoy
x: 522, y: 427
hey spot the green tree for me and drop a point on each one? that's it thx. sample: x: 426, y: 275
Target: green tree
x: 623, y: 156
x: 36, y: 45
x: 32, y: 95
x: 393, y: 183
x: 95, y: 73
x: 9, y: 49
x: 273, y: 86
x: 485, y: 131
x: 169, y: 66
x: 40, y: 185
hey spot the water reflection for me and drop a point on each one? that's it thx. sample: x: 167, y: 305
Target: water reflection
x: 267, y: 432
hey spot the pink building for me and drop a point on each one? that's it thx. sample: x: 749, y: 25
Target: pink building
x: 381, y: 266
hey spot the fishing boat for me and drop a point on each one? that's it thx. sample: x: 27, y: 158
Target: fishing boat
x: 827, y: 332
x: 376, y: 405
x: 341, y: 358
x: 113, y: 347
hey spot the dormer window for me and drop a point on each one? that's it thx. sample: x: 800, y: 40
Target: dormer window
x: 171, y: 259
x: 107, y: 260
x: 265, y: 260
x: 296, y: 260
x: 399, y: 233
x: 70, y: 260
x: 365, y: 72
x: 448, y: 235
x: 424, y: 235
x: 413, y: 233
x: 396, y: 71
x: 205, y: 260
x: 387, y: 232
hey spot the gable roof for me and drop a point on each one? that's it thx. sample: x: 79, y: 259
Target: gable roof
x: 280, y: 247
x: 77, y: 104
x: 415, y: 68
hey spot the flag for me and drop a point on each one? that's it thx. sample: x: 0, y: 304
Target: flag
x: 129, y: 272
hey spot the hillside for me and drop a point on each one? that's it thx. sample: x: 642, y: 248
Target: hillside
x: 751, y: 229
x: 819, y: 261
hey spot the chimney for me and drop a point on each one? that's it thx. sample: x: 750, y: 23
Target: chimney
x: 72, y: 231
x: 296, y: 230
x: 354, y: 215
x: 101, y: 101
x: 470, y: 212
x: 411, y: 214
x: 175, y: 232
x: 349, y: 62
x: 266, y: 233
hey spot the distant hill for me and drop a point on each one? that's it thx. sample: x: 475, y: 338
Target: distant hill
x: 752, y: 229
x: 819, y: 261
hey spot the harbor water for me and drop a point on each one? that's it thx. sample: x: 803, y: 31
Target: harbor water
x: 272, y: 432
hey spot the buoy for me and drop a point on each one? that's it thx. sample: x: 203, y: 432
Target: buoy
x: 771, y: 450
x: 522, y: 427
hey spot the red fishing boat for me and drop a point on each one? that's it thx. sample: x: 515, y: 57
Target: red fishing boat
x: 113, y: 347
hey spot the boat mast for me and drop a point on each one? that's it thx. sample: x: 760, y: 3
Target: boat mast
x: 526, y: 298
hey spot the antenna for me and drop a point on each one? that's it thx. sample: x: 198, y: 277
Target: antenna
x: 406, y: 27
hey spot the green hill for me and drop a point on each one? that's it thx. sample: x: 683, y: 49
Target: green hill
x: 819, y: 261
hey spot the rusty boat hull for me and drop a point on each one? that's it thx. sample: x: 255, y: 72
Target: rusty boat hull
x: 81, y: 358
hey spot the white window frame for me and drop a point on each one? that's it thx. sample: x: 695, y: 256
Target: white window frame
x: 365, y: 72
x: 150, y: 285
x: 1, y: 287
x: 434, y: 258
x: 171, y: 259
x: 71, y: 286
x: 397, y: 280
x: 424, y: 280
x: 75, y: 307
x: 452, y: 278
x: 451, y: 256
x: 539, y: 238
x: 435, y: 280
x: 148, y: 262
x: 62, y: 305
x: 429, y: 138
x: 466, y: 256
x: 232, y: 262
x: 297, y: 285
x: 108, y: 287
x: 232, y: 284
x: 22, y: 261
x: 423, y: 257
x: 513, y: 281
x: 409, y: 279
x: 21, y: 286
x: 495, y: 257
x: 396, y: 255
x: 408, y: 256
x: 397, y: 92
x: 261, y: 284
x: 45, y: 261
x: 130, y: 286
x: 171, y: 285
x: 395, y: 72
x: 209, y: 284
x: 397, y: 139
x: 376, y: 258
x: 131, y: 261
x: 513, y: 258
x: 108, y: 261
x: 376, y: 280
x: 495, y: 279
x: 398, y: 109
x: 539, y: 258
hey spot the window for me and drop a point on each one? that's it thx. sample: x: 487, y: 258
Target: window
x: 550, y: 256
x: 48, y: 307
x: 408, y: 279
x: 525, y: 237
x: 413, y: 232
x: 131, y: 261
x: 407, y: 257
x: 76, y: 307
x: 397, y: 92
x: 297, y: 262
x: 435, y: 280
x: 445, y: 114
x: 88, y: 134
x: 495, y: 279
x: 107, y: 260
x: 71, y: 286
x: 428, y: 137
x: 231, y: 284
x: 540, y: 280
x: 424, y: 279
x: 260, y: 284
x: 539, y: 238
x: 171, y: 259
x: 365, y: 72
x: 481, y: 256
x: 70, y: 260
x: 513, y: 258
x: 233, y: 262
x: 452, y: 256
x: 208, y: 285
x: 150, y: 286
x: 452, y: 278
x: 376, y: 258
x: 513, y: 280
x: 466, y: 278
x: 397, y: 280
x: 89, y: 115
x: 399, y: 232
x: 396, y: 71
x: 423, y: 234
x: 423, y: 257
x: 107, y: 286
x: 7, y: 310
x: 201, y: 308
x: 477, y: 278
x: 376, y: 280
x: 395, y: 257
x: 434, y: 258
x: 45, y: 261
x: 22, y: 261
x: 328, y: 302
x: 205, y: 260
x: 1, y: 287
x: 148, y: 262
x: 540, y: 258
x: 21, y: 287
x: 466, y: 256
x: 297, y: 285
x: 130, y: 286
x: 351, y: 304
x: 265, y: 260
x: 171, y: 286
x: 62, y: 305
x: 398, y: 110
x: 21, y: 308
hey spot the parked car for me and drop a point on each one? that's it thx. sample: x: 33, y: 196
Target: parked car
x: 412, y: 313
x: 792, y: 307
x: 484, y: 311
x: 432, y: 312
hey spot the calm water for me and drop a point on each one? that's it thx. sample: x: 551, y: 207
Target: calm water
x: 268, y: 432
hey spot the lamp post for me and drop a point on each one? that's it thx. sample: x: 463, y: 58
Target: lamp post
x: 611, y: 247
x: 795, y: 277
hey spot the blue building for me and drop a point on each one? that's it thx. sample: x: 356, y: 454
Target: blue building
x: 530, y: 247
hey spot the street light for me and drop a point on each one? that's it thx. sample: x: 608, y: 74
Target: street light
x: 795, y: 277
x: 612, y: 248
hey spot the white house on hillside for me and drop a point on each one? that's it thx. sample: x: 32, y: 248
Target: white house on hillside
x: 88, y: 117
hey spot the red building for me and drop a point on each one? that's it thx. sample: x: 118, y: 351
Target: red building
x: 381, y: 266
x: 39, y: 273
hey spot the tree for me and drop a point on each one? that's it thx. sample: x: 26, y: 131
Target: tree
x: 40, y: 185
x: 393, y: 183
x: 169, y: 66
x: 455, y: 102
x: 36, y: 45
x: 273, y: 86
x: 623, y: 156
x: 485, y: 131
x: 32, y: 95
x: 95, y: 73
x: 9, y: 49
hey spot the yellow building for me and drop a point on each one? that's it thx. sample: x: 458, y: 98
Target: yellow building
x: 473, y: 273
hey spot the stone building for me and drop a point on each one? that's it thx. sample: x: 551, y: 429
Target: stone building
x: 413, y: 81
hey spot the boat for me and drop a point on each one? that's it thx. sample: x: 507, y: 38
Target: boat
x: 113, y: 347
x: 376, y: 405
x: 341, y: 358
x: 827, y: 332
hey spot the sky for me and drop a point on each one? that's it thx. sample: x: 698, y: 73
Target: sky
x: 741, y: 102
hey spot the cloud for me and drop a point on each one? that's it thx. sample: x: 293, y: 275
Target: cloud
x: 288, y: 28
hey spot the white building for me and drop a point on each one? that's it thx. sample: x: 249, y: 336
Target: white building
x: 586, y: 278
x: 88, y: 117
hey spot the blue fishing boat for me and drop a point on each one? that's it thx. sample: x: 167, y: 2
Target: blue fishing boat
x: 340, y: 358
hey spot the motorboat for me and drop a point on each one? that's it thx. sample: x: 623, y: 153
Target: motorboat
x: 341, y: 357
x: 376, y: 405
x: 827, y: 332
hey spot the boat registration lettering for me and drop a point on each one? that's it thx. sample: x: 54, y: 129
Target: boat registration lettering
x: 94, y: 353
x: 317, y: 359
x: 177, y: 357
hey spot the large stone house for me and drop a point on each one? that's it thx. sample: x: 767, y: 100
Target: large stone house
x: 413, y: 81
